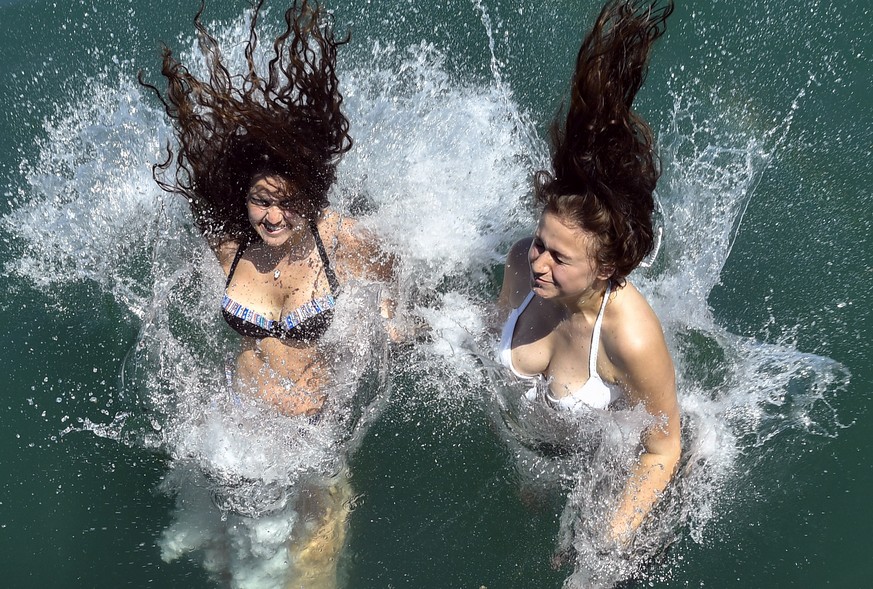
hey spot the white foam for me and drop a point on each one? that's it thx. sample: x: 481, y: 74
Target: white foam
x: 440, y: 172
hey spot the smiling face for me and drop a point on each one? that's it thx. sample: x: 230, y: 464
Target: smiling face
x: 562, y: 262
x: 273, y: 211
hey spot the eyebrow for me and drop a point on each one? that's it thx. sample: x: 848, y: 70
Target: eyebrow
x: 552, y: 250
x: 267, y: 196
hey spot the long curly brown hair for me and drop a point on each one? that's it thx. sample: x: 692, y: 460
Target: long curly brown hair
x: 231, y: 127
x: 604, y: 168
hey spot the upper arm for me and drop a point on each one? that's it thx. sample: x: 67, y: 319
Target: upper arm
x: 646, y: 370
x: 516, y: 276
x: 361, y: 254
x: 224, y: 250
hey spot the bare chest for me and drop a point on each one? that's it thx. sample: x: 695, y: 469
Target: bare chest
x: 273, y: 295
x: 543, y: 346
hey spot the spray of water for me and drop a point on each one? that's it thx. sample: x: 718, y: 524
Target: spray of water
x: 440, y: 172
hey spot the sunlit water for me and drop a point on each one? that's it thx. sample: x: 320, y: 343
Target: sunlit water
x: 440, y: 172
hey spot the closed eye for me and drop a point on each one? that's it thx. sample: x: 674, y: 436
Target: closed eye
x: 259, y: 202
x: 540, y: 247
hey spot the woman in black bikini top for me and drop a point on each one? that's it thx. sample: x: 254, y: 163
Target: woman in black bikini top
x: 256, y: 157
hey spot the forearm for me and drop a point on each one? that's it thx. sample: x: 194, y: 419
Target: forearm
x: 646, y: 484
x: 394, y: 329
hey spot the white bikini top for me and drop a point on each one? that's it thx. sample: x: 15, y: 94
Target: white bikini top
x: 594, y: 393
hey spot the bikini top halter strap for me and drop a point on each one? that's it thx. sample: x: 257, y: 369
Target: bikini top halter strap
x: 239, y: 252
x: 325, y: 260
x: 595, y: 336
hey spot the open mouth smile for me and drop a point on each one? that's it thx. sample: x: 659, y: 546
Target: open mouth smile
x: 273, y: 228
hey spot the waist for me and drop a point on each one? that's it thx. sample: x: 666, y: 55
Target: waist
x: 293, y: 380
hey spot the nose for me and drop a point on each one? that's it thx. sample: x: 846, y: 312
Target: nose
x: 538, y: 260
x: 274, y: 214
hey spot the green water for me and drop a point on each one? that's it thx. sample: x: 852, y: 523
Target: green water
x: 440, y: 505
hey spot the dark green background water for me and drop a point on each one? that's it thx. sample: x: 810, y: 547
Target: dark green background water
x: 440, y: 507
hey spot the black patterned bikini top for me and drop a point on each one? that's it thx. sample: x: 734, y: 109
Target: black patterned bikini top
x: 307, y: 322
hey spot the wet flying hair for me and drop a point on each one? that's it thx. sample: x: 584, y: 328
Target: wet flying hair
x: 604, y: 168
x: 283, y: 121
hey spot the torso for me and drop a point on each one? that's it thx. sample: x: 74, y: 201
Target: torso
x: 534, y: 344
x: 292, y: 373
x: 285, y: 371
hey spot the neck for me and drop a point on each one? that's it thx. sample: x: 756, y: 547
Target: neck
x: 588, y: 302
x: 298, y: 247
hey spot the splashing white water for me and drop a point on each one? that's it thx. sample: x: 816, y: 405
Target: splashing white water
x: 92, y: 213
x: 442, y: 164
x: 440, y: 171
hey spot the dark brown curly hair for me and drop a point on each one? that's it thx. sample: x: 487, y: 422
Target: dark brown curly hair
x: 604, y: 168
x: 231, y: 127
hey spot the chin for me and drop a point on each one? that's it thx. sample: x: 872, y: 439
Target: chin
x: 544, y: 292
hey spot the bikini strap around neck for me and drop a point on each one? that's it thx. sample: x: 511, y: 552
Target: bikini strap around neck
x: 520, y: 309
x: 595, y: 336
x: 325, y: 260
x: 239, y: 252
x: 322, y: 252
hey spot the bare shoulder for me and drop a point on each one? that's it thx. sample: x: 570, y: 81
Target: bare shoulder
x: 516, y: 275
x: 331, y: 224
x: 225, y: 251
x: 341, y: 231
x: 518, y: 251
x: 633, y: 318
x: 633, y: 341
x: 357, y: 251
x: 630, y: 326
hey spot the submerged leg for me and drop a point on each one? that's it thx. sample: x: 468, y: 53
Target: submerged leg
x: 318, y: 540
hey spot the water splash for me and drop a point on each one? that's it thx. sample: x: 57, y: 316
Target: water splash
x: 86, y: 209
x: 738, y: 395
x: 440, y: 172
x: 439, y: 167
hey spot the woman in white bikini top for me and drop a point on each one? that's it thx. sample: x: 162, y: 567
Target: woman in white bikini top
x: 565, y: 291
x: 562, y: 308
